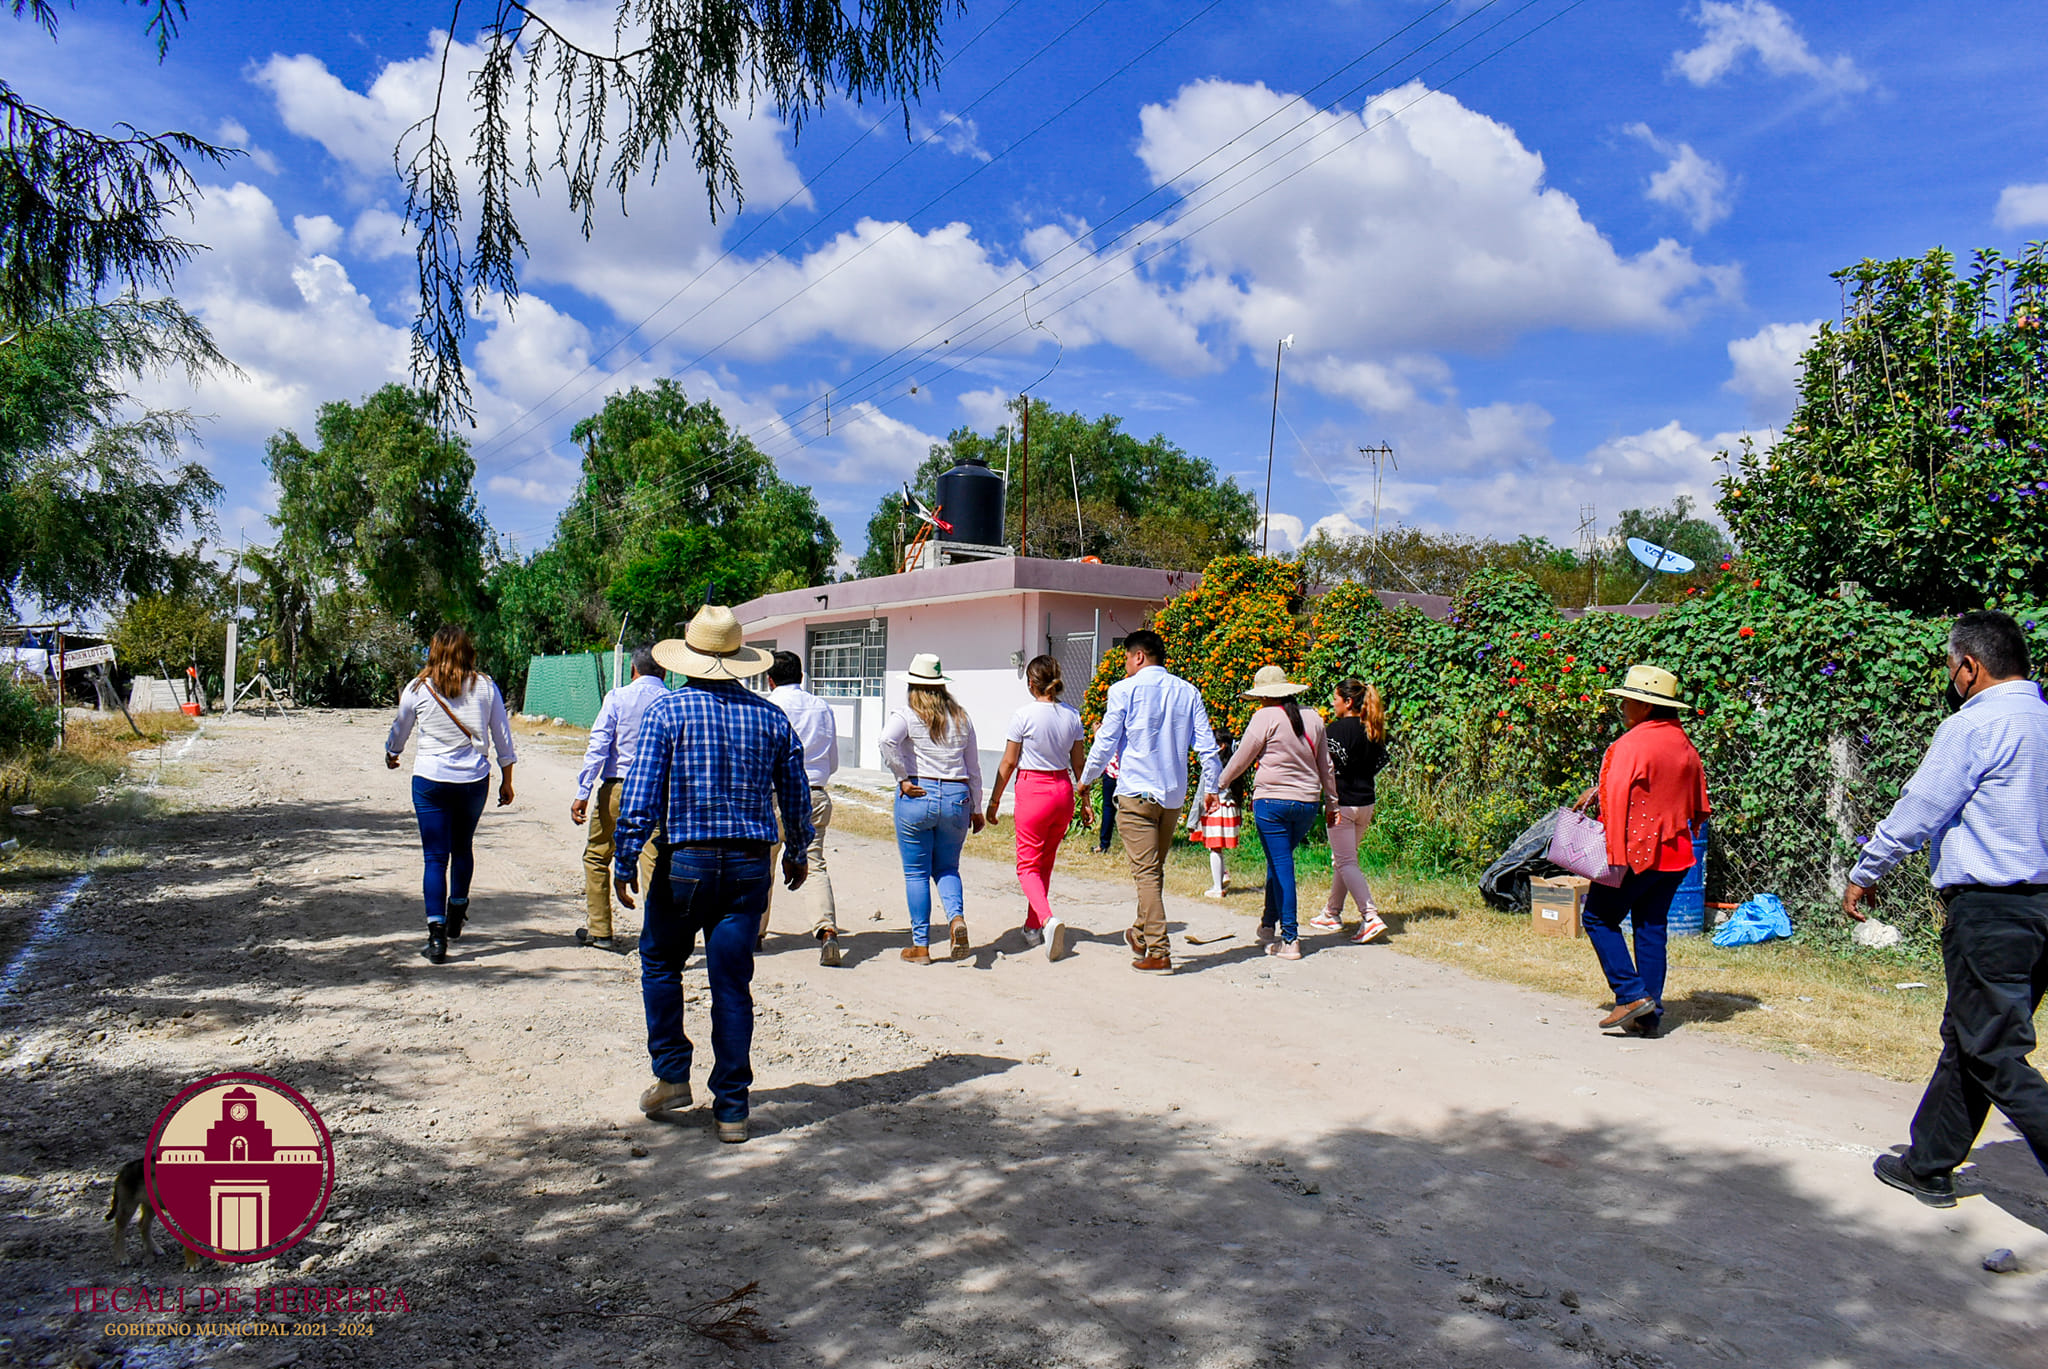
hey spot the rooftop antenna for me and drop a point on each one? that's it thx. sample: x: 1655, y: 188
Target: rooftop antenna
x: 1588, y: 551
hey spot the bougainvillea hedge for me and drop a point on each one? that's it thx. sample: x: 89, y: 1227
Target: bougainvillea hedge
x: 1810, y: 711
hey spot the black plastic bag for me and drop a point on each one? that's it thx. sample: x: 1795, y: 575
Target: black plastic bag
x: 1505, y: 884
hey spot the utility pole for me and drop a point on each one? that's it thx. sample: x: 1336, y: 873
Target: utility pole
x: 1272, y: 431
x: 1380, y: 456
x: 1024, y: 512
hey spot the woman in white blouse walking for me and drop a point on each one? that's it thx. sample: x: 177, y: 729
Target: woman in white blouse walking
x: 929, y: 746
x: 460, y: 714
x: 1046, y: 756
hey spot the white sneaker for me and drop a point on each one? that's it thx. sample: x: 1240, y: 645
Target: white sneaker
x: 1326, y: 922
x: 1214, y: 893
x: 1055, y: 940
x: 1370, y: 928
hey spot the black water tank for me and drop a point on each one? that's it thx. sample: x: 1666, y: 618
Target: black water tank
x: 970, y: 497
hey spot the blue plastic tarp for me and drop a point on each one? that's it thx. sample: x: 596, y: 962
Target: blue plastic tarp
x: 1761, y: 918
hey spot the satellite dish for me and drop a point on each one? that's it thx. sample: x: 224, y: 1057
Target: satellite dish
x: 1659, y: 558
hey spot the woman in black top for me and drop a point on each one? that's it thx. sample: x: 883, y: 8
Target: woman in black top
x: 1358, y: 750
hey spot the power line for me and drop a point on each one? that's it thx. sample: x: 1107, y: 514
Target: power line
x: 1180, y: 230
x: 791, y: 424
x: 775, y: 256
x: 1179, y: 227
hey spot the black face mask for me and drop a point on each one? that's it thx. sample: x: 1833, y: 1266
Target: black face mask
x: 1951, y: 696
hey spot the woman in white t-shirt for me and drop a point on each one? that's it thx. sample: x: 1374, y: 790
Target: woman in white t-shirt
x: 460, y: 714
x: 1046, y: 755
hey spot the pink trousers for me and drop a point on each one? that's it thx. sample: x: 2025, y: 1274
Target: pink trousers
x: 1045, y: 810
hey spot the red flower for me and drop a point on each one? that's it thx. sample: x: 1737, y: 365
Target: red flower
x: 1745, y: 632
x: 1585, y: 698
x: 1546, y: 636
x: 1756, y: 584
x: 1571, y: 660
x: 1502, y: 714
x: 1603, y: 670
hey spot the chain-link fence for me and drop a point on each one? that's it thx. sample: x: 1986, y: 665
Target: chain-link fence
x: 1799, y: 840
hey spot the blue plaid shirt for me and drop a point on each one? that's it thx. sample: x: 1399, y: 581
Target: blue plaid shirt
x: 1979, y: 801
x: 714, y: 757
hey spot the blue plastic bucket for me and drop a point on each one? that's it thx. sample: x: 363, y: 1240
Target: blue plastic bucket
x: 1689, y: 905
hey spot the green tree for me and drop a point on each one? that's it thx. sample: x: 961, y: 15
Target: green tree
x: 1914, y: 462
x: 81, y: 211
x: 1143, y: 502
x: 174, y: 629
x: 673, y: 505
x: 384, y: 503
x: 92, y: 499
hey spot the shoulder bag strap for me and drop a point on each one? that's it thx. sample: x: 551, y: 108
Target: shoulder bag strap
x: 449, y: 711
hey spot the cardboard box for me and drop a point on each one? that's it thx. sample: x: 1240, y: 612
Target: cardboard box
x: 1554, y: 904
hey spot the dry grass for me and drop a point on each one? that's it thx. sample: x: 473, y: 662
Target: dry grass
x: 1783, y: 997
x: 74, y: 814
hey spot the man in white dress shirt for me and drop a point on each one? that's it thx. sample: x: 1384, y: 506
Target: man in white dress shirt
x: 818, y: 730
x: 614, y: 740
x: 1153, y: 720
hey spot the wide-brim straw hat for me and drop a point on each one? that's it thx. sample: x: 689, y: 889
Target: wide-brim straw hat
x: 713, y: 648
x: 1649, y: 684
x: 1272, y: 683
x: 926, y: 669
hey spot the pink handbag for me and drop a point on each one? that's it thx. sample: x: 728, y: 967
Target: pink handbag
x: 1580, y: 846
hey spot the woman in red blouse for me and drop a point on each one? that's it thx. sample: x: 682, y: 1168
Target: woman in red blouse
x: 1653, y: 794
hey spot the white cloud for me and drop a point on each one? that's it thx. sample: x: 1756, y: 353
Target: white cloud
x: 2022, y: 206
x: 1284, y: 532
x: 1336, y: 526
x: 289, y: 317
x: 1735, y: 30
x: 1693, y: 185
x: 1767, y: 368
x: 232, y: 133
x: 878, y: 447
x: 987, y: 410
x: 1414, y: 224
x: 379, y: 234
x: 958, y: 135
x: 636, y: 255
x: 318, y: 233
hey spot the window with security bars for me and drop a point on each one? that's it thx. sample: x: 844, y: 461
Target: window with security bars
x: 847, y: 662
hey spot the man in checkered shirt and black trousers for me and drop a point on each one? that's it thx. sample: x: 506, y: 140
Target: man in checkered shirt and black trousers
x: 715, y: 762
x: 1979, y: 802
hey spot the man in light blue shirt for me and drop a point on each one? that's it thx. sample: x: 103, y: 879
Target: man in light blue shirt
x: 1153, y: 720
x: 1979, y: 802
x: 614, y: 740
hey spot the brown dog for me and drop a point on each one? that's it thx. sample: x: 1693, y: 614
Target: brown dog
x: 130, y: 1194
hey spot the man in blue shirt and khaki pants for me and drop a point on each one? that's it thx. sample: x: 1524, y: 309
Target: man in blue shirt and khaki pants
x: 1979, y: 802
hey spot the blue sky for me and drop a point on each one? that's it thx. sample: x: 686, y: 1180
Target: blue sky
x: 1565, y: 277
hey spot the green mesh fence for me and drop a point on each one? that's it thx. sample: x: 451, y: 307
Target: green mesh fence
x: 568, y: 687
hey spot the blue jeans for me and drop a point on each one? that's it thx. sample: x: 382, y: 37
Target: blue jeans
x: 448, y: 814
x: 1283, y: 825
x: 1646, y: 898
x: 929, y: 834
x: 721, y: 893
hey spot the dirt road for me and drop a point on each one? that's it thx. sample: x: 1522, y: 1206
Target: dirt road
x: 1361, y: 1158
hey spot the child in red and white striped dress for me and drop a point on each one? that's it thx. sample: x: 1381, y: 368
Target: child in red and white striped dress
x: 1218, y: 830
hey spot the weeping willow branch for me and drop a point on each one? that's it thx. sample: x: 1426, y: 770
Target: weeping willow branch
x: 674, y: 71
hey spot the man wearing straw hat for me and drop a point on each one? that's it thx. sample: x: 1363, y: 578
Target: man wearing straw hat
x: 1153, y: 720
x: 716, y: 761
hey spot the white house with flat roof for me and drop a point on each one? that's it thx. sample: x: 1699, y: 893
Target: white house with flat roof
x: 983, y: 618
